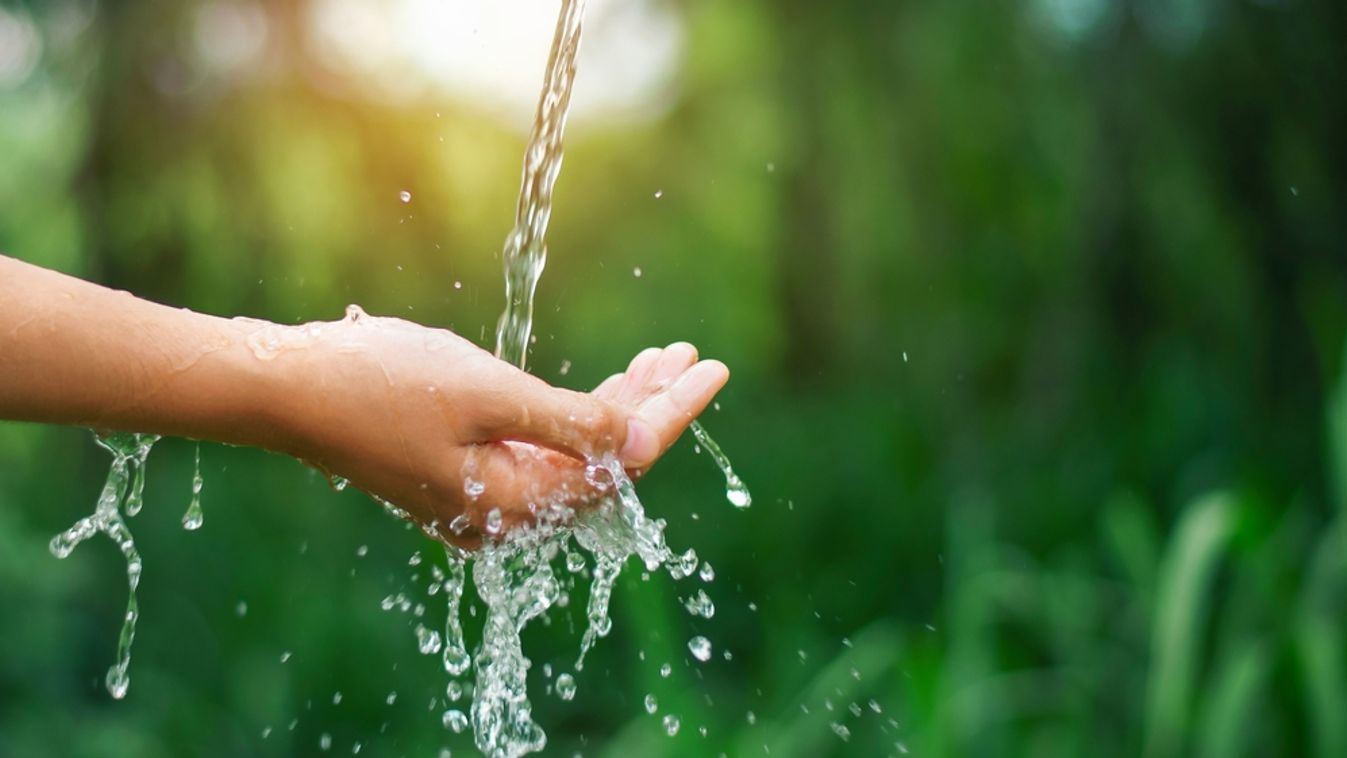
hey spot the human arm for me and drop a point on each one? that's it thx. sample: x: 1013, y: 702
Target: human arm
x: 396, y: 408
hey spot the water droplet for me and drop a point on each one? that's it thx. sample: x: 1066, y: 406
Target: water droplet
x: 392, y: 697
x: 737, y: 493
x: 700, y: 647
x: 565, y: 686
x: 684, y: 564
x: 415, y: 560
x: 904, y: 356
x: 362, y: 551
x: 565, y: 367
x: 751, y: 718
x: 659, y: 194
x: 493, y: 521
x: 651, y: 704
x: 636, y: 272
x: 241, y: 609
x: 405, y: 196
x: 841, y: 731
x: 671, y: 724
x: 665, y: 670
x: 874, y: 706
x: 427, y: 640
x: 700, y: 605
x: 707, y: 573
x: 117, y: 682
x: 454, y: 720
x: 285, y: 656
x: 336, y: 698
x: 193, y: 518
x: 473, y: 488
x: 575, y: 562
x: 339, y: 483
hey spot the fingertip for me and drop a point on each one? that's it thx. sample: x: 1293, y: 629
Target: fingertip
x: 644, y: 359
x: 709, y: 376
x: 608, y: 386
x: 683, y: 348
x: 718, y: 369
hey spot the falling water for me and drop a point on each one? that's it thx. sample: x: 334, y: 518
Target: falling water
x: 735, y: 491
x: 514, y: 575
x: 121, y: 494
x: 525, y: 252
x: 193, y: 518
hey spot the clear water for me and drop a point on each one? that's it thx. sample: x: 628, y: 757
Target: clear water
x: 515, y: 576
x: 121, y: 497
x: 735, y: 490
x: 518, y: 576
x: 525, y: 253
x: 193, y: 518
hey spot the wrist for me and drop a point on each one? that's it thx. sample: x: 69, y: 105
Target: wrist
x: 275, y: 385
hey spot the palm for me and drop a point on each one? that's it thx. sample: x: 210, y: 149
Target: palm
x: 666, y: 387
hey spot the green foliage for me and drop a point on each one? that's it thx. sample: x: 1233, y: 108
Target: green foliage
x: 1037, y: 326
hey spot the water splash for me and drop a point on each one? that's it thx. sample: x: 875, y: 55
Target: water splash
x: 456, y: 658
x: 121, y: 492
x: 735, y: 491
x: 193, y: 518
x: 700, y: 647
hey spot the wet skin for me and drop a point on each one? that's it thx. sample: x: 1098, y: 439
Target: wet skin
x: 405, y: 412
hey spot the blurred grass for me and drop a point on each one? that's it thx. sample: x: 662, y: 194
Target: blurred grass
x: 1037, y: 326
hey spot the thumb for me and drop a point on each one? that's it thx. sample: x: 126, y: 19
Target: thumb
x: 579, y: 425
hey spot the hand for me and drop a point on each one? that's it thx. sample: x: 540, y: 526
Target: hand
x: 425, y: 420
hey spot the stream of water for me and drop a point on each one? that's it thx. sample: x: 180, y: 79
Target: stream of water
x: 514, y: 576
x: 518, y: 576
x: 122, y: 496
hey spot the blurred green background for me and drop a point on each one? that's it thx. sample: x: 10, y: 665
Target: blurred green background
x: 1036, y: 313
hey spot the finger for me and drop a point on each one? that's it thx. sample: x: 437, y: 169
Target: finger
x: 675, y: 359
x: 637, y: 372
x: 574, y: 423
x: 670, y: 411
x: 607, y: 389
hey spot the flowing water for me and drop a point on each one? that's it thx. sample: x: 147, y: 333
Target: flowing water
x: 514, y: 576
x: 520, y: 575
x: 121, y: 497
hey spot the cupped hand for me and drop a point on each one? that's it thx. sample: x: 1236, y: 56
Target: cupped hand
x: 427, y: 421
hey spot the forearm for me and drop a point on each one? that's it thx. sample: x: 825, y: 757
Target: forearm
x: 72, y: 352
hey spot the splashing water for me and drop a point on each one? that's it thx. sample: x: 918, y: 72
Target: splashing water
x: 513, y: 572
x: 513, y: 575
x: 129, y: 452
x: 193, y: 518
x: 735, y: 491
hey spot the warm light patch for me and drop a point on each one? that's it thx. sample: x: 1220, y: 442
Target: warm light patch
x: 493, y: 52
